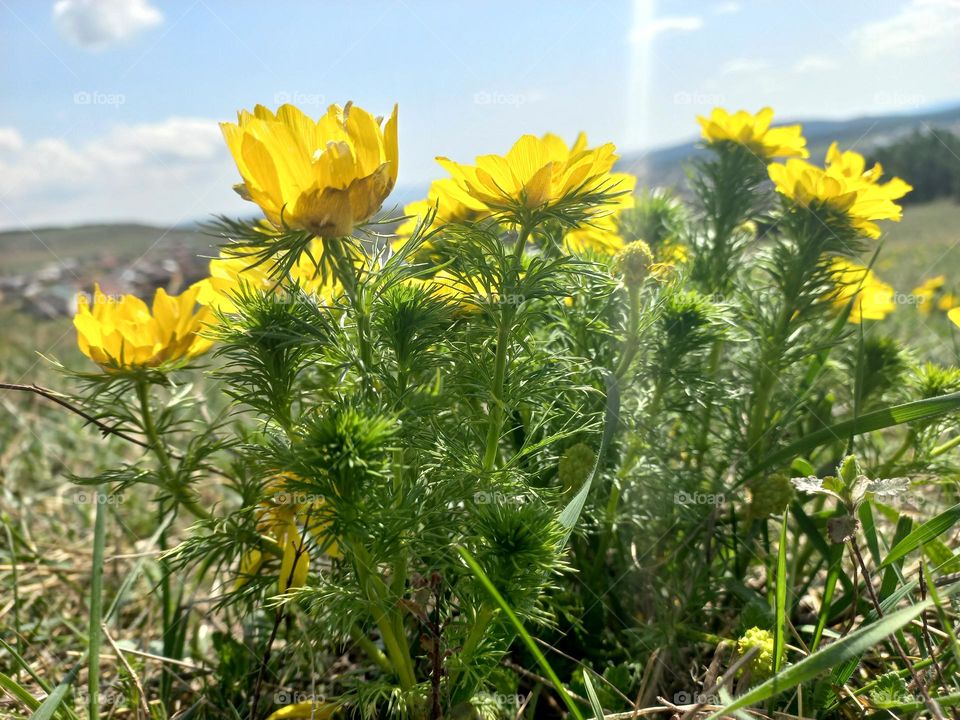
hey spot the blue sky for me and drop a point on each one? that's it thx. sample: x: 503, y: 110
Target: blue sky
x: 109, y: 107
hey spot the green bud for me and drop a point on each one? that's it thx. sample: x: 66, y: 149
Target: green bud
x: 770, y: 495
x: 634, y: 263
x: 575, y: 465
x: 849, y: 470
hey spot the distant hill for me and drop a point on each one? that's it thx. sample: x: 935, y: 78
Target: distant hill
x: 665, y: 166
x: 107, y: 245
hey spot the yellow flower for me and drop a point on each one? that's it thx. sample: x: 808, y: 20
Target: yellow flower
x: 453, y: 289
x: 126, y: 333
x: 287, y: 517
x: 600, y: 236
x: 233, y: 275
x: 927, y: 291
x: 451, y: 202
x: 954, y: 315
x: 872, y: 298
x: 322, y: 176
x: 754, y: 132
x: 306, y: 710
x: 536, y: 173
x: 845, y: 186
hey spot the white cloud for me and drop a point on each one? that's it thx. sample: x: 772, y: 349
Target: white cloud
x: 728, y: 8
x: 740, y: 66
x: 176, y: 168
x: 98, y: 24
x: 814, y: 63
x: 918, y: 29
x: 10, y: 139
x: 668, y: 23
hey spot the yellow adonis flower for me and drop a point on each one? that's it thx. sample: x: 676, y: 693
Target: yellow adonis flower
x: 232, y: 275
x: 872, y: 298
x: 954, y: 315
x: 126, y: 333
x: 600, y: 236
x: 754, y: 133
x: 845, y: 185
x: 289, y: 520
x: 322, y: 176
x: 927, y: 291
x: 451, y: 202
x: 536, y: 173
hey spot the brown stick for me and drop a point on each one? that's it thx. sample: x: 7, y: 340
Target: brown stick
x: 60, y: 400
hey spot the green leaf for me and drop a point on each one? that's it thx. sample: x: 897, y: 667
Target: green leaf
x: 592, y: 696
x: 877, y: 420
x: 48, y: 707
x: 829, y: 657
x: 96, y: 605
x: 930, y: 530
x: 779, y: 634
x: 571, y: 513
x: 522, y: 631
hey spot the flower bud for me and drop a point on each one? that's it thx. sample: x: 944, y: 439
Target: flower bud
x: 762, y: 663
x: 770, y: 495
x: 633, y: 262
x: 575, y: 465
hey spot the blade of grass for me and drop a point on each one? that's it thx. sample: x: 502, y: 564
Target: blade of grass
x: 49, y: 706
x: 930, y: 530
x: 876, y: 420
x: 592, y: 696
x: 527, y: 639
x: 780, y: 598
x: 96, y: 604
x: 571, y: 513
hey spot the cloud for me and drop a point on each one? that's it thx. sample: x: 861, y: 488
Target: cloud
x: 175, y: 168
x: 727, y: 8
x: 97, y: 24
x: 739, y: 66
x: 10, y: 140
x: 918, y: 29
x: 814, y: 63
x: 678, y: 23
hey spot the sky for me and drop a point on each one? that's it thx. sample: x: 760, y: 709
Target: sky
x: 109, y: 108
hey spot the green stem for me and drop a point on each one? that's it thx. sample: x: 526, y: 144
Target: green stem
x: 631, y: 343
x: 497, y: 405
x: 477, y: 633
x: 375, y: 653
x: 163, y: 458
x: 388, y: 623
x: 948, y: 445
x: 96, y: 603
